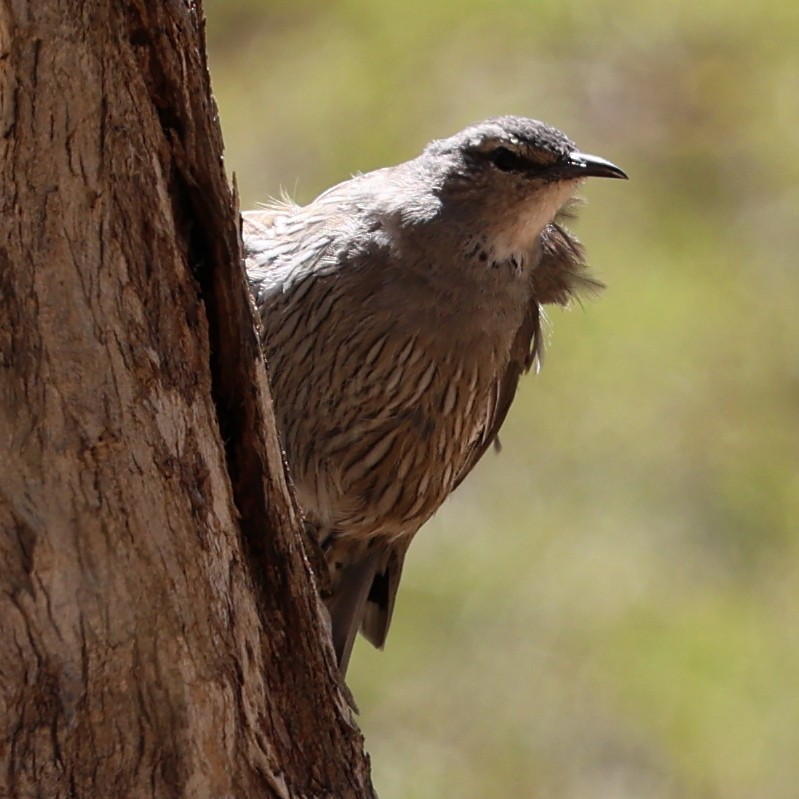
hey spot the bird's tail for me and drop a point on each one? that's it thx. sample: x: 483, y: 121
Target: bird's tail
x: 363, y: 598
x: 346, y: 605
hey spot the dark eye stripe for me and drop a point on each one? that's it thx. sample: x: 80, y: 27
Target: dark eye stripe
x: 508, y: 161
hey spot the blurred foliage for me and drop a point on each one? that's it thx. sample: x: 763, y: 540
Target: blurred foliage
x: 609, y: 608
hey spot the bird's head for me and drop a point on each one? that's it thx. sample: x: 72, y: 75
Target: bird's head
x: 510, y: 176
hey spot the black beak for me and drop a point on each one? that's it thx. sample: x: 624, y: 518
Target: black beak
x: 582, y: 165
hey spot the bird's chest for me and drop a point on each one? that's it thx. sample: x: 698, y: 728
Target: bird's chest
x: 402, y: 430
x: 467, y: 293
x: 394, y: 393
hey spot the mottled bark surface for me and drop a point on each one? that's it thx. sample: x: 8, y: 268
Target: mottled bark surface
x: 159, y: 633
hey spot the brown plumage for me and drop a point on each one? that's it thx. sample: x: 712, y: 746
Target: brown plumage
x: 398, y: 311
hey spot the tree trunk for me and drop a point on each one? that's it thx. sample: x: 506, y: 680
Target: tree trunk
x: 160, y: 631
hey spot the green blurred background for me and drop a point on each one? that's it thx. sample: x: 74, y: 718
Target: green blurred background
x: 609, y: 607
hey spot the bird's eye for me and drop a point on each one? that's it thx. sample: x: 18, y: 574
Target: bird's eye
x: 508, y: 161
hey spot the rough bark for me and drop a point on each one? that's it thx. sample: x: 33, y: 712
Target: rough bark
x: 159, y: 630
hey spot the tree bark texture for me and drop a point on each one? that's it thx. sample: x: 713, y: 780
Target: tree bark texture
x: 160, y: 634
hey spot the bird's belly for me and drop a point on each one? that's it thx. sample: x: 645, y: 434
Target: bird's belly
x: 379, y: 412
x: 386, y: 478
x: 386, y: 452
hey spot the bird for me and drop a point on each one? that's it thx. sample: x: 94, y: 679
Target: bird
x: 397, y: 312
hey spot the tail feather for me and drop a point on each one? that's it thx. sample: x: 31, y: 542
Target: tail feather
x: 363, y: 598
x: 380, y: 601
x: 346, y: 606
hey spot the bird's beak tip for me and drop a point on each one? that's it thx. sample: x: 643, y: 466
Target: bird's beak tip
x: 592, y: 166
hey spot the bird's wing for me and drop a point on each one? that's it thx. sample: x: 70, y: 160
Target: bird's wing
x: 525, y: 351
x: 284, y: 243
